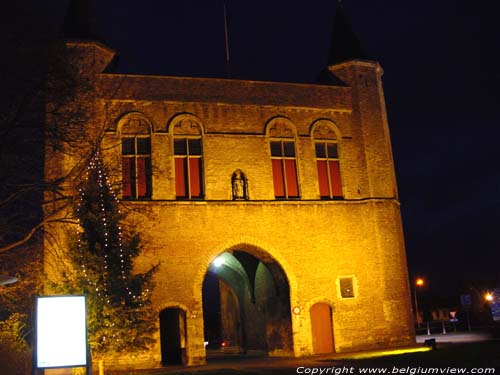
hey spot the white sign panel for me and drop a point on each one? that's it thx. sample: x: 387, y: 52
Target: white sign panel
x: 61, y: 335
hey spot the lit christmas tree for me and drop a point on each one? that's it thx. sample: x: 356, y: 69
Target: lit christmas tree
x: 118, y: 301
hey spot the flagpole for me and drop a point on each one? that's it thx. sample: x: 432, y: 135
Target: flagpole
x: 228, y: 65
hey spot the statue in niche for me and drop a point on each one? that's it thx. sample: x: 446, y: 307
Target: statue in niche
x: 239, y: 185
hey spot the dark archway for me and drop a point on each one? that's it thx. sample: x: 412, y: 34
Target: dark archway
x: 322, y: 328
x: 173, y: 336
x: 246, y: 305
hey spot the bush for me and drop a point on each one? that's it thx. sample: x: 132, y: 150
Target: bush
x: 15, y: 355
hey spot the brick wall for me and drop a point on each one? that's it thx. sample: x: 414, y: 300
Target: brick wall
x: 314, y: 242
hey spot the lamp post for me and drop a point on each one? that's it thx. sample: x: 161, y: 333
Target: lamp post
x: 4, y: 279
x: 419, y: 282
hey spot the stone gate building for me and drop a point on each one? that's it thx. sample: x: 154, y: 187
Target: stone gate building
x: 272, y: 207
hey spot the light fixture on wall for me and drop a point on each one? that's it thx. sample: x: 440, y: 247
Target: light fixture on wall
x: 5, y: 279
x: 219, y: 261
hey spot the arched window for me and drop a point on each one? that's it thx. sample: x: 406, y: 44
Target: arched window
x: 284, y: 159
x: 136, y: 156
x: 327, y: 162
x: 188, y: 157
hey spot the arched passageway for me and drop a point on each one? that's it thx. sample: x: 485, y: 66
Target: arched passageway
x: 173, y: 336
x: 322, y: 328
x: 246, y: 305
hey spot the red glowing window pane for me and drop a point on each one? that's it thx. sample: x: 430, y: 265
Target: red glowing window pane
x: 128, y: 174
x: 291, y: 178
x: 335, y: 178
x: 180, y: 177
x: 143, y: 177
x: 195, y: 177
x: 324, y: 189
x: 279, y: 188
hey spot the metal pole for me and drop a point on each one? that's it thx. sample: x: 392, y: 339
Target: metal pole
x: 226, y: 35
x: 101, y: 367
x: 416, y: 303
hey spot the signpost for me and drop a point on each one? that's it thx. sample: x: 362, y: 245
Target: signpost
x: 466, y: 301
x: 453, y: 316
x: 61, y: 333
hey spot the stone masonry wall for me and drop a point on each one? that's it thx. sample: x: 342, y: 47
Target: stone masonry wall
x: 315, y: 242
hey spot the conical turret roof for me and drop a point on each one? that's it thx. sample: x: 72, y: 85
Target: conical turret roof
x: 80, y: 22
x: 345, y: 45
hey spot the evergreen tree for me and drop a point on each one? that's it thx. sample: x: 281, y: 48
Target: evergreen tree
x: 120, y: 316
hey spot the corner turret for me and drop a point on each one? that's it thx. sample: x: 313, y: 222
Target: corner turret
x: 84, y: 44
x: 348, y: 63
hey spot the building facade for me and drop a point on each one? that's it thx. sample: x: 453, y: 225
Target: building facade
x: 272, y: 208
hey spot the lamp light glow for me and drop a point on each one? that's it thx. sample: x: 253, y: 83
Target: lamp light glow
x: 384, y: 353
x: 219, y: 261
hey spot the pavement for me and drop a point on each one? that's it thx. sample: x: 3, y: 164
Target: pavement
x: 456, y: 337
x: 461, y: 349
x: 276, y: 365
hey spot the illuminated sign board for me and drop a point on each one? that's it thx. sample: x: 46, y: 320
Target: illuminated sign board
x: 495, y: 305
x: 61, y: 332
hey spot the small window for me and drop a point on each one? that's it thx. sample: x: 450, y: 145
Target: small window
x: 284, y: 169
x: 180, y: 147
x: 143, y: 146
x: 194, y: 146
x: 346, y: 287
x: 128, y: 146
x: 136, y: 167
x: 328, y: 166
x: 188, y: 168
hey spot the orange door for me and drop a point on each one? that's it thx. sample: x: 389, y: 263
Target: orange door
x: 322, y: 330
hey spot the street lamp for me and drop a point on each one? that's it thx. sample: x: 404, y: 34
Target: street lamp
x: 488, y: 296
x: 419, y: 282
x: 5, y: 279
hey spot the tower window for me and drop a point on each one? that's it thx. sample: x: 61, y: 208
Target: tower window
x: 327, y: 162
x: 284, y: 169
x: 136, y: 167
x: 346, y: 287
x: 188, y: 154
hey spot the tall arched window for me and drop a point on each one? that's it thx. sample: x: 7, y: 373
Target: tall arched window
x: 283, y: 159
x: 136, y: 156
x: 327, y: 162
x: 188, y: 157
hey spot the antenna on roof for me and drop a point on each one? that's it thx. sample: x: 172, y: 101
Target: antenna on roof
x: 228, y: 64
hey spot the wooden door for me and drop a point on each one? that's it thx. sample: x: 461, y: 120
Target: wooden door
x: 322, y: 328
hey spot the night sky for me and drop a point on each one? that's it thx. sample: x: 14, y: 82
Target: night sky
x: 441, y: 84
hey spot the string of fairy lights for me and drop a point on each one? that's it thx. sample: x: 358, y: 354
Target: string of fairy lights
x: 96, y: 165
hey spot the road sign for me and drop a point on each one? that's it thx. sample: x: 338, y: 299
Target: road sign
x: 466, y: 300
x: 495, y: 305
x: 296, y: 310
x: 453, y: 316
